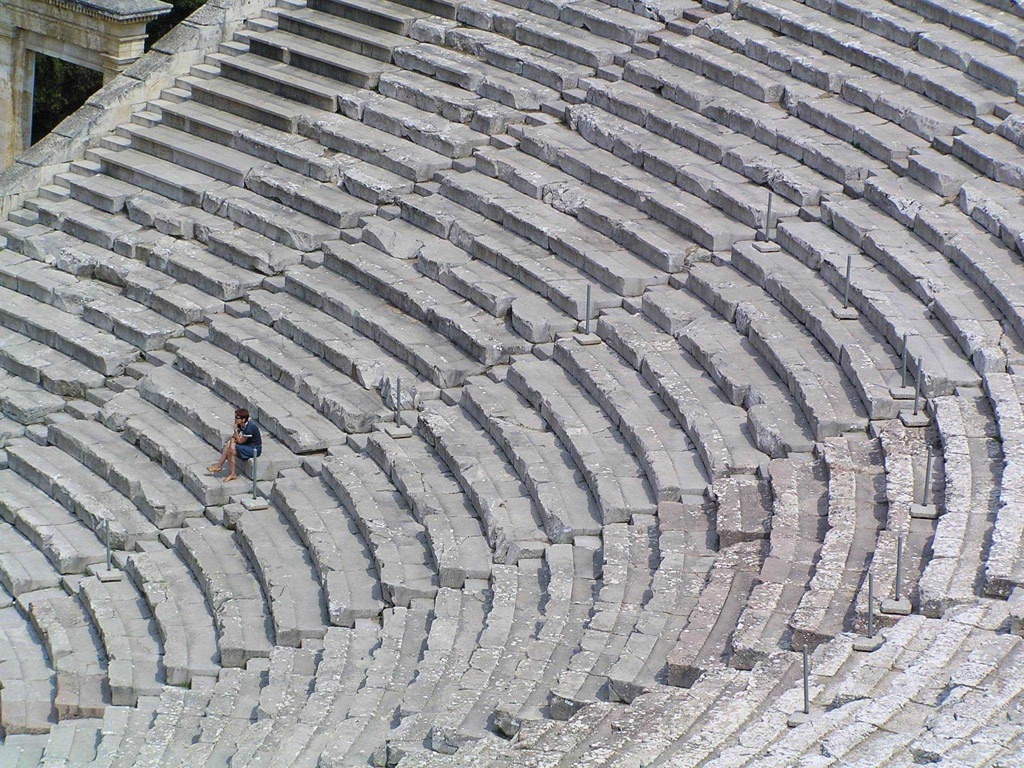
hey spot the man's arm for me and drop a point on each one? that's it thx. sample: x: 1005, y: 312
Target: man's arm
x: 240, y: 436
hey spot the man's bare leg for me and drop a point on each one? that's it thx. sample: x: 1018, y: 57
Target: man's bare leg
x: 231, y: 464
x: 229, y: 447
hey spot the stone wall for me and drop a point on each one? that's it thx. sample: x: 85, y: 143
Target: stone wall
x: 171, y: 57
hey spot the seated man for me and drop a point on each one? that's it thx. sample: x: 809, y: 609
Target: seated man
x: 245, y: 443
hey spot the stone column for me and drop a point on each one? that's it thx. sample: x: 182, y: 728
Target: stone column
x: 11, y: 96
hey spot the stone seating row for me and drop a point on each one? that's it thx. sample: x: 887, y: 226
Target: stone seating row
x: 27, y: 675
x: 1003, y: 563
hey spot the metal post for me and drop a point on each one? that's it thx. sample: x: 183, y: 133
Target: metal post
x: 899, y: 566
x: 904, y: 361
x: 807, y: 683
x: 927, y: 478
x: 768, y: 218
x: 846, y: 291
x: 398, y: 402
x: 106, y: 538
x: 871, y: 605
x: 586, y: 322
x: 917, y: 388
x: 255, y: 473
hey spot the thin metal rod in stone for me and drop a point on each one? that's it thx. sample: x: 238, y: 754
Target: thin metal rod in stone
x: 255, y: 474
x: 398, y: 402
x: 768, y: 217
x: 917, y: 388
x: 927, y: 478
x: 807, y: 683
x: 586, y: 321
x: 871, y: 605
x: 899, y: 566
x: 846, y: 289
x: 904, y: 361
x: 106, y: 538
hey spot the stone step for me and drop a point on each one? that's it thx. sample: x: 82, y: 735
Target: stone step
x: 162, y: 176
x: 283, y: 81
x: 343, y: 563
x: 26, y: 403
x: 286, y: 574
x: 455, y: 535
x: 156, y: 494
x: 68, y: 544
x: 669, y: 459
x: 203, y: 413
x: 398, y: 543
x: 128, y: 634
x: 65, y: 333
x: 534, y: 267
x: 345, y: 403
x: 718, y: 429
x: 802, y: 364
x: 1004, y: 567
x: 850, y: 345
x: 474, y: 280
x: 183, y: 620
x: 429, y: 130
x: 337, y: 344
x: 500, y: 500
x: 72, y: 741
x: 972, y: 462
x: 474, y: 331
x: 54, y: 371
x: 80, y: 667
x: 631, y: 228
x: 248, y: 102
x: 432, y: 355
x: 36, y: 279
x: 175, y: 724
x: 182, y: 453
x: 567, y: 507
x: 375, y: 146
x: 233, y: 594
x: 889, y: 309
x: 853, y: 522
x: 29, y: 685
x: 23, y: 567
x: 506, y: 85
x: 319, y: 58
x: 340, y: 33
x: 386, y: 16
x: 225, y: 722
x: 295, y: 423
x: 777, y: 424
x: 87, y: 495
x: 612, y: 472
x: 569, y: 240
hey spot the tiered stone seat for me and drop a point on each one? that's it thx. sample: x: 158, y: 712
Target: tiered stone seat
x: 55, y: 371
x: 777, y: 423
x: 343, y: 563
x: 398, y: 543
x: 87, y: 495
x: 798, y: 504
x: 154, y: 492
x: 853, y: 519
x: 74, y: 649
x: 23, y: 567
x: 126, y: 629
x: 183, y: 620
x: 244, y: 629
x: 71, y: 741
x: 514, y: 527
x: 972, y: 462
x: 286, y: 573
x: 67, y: 543
x: 449, y: 522
x: 174, y: 725
x: 717, y: 428
x: 613, y: 475
x: 225, y: 721
x: 1003, y: 563
x: 25, y: 403
x: 27, y: 677
x: 663, y: 449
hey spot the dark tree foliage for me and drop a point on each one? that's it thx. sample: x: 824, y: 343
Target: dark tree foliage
x: 162, y: 25
x: 60, y: 89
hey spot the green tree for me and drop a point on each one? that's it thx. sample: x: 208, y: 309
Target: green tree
x: 60, y: 89
x: 162, y: 25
